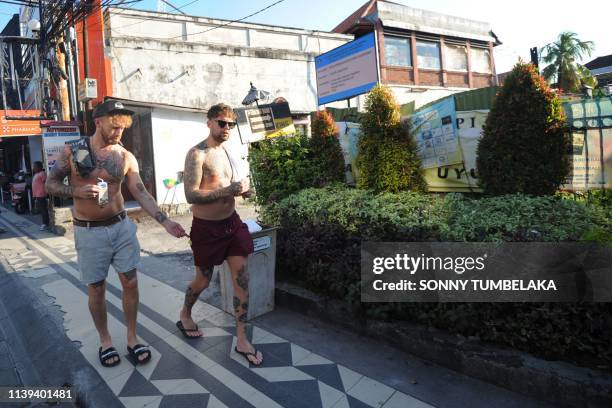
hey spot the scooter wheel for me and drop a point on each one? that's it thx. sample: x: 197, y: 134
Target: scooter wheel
x: 20, y: 208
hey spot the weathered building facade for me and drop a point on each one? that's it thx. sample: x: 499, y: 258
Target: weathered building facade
x: 424, y: 55
x: 198, y: 61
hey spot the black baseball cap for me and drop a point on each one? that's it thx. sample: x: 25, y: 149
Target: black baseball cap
x: 109, y: 107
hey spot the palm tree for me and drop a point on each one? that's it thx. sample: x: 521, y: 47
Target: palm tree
x: 562, y: 56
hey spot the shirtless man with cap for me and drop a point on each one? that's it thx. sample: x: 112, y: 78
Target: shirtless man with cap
x: 104, y: 235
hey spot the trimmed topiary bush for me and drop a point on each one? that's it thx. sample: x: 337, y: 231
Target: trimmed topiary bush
x: 387, y: 157
x: 325, y: 149
x: 524, y: 147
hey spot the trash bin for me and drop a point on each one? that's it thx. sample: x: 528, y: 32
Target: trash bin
x: 260, y: 266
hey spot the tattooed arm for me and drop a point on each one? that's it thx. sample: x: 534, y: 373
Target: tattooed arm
x: 193, y: 177
x: 55, y: 181
x: 146, y: 200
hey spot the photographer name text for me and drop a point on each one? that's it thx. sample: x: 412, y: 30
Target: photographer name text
x: 466, y: 284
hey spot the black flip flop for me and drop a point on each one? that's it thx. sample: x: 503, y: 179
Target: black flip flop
x: 137, y: 351
x: 106, y: 355
x: 183, y: 330
x: 246, y: 356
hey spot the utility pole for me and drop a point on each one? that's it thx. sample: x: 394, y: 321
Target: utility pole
x: 85, y: 70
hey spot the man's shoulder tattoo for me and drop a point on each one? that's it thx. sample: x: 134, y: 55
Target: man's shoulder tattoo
x: 202, y: 146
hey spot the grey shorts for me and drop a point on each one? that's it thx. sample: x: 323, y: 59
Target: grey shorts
x: 99, y: 247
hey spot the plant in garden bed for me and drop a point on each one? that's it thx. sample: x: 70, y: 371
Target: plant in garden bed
x: 286, y: 165
x: 524, y: 147
x: 387, y: 156
x: 319, y: 246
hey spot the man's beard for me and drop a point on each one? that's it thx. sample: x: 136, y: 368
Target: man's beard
x: 220, y: 138
x: 110, y: 140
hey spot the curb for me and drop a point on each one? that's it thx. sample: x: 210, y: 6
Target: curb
x: 559, y: 383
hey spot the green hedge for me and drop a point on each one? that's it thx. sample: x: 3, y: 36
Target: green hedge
x: 319, y: 247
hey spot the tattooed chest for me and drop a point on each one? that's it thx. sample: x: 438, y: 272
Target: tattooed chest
x: 216, y: 168
x: 110, y: 166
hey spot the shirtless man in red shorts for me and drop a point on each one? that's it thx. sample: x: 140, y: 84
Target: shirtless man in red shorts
x: 217, y: 232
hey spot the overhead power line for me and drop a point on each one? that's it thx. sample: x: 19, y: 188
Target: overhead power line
x: 232, y: 21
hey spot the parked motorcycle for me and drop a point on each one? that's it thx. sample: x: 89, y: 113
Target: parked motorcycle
x: 19, y: 197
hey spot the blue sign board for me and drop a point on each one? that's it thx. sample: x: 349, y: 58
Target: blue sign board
x: 347, y: 71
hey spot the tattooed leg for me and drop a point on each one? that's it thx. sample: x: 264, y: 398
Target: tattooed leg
x: 206, y: 273
x: 191, y: 296
x: 240, y: 276
x: 195, y: 288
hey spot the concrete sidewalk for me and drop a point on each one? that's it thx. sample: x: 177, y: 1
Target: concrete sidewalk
x: 307, y: 363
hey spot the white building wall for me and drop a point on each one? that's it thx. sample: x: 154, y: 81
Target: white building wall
x: 174, y: 133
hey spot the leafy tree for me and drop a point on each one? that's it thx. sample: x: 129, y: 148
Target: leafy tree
x: 562, y: 56
x: 524, y: 145
x: 387, y: 157
x: 325, y: 148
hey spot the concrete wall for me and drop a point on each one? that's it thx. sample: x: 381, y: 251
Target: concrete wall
x: 168, y: 59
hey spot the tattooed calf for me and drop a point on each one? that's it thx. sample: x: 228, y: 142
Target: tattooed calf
x: 242, y: 280
x: 236, y: 305
x: 191, y: 297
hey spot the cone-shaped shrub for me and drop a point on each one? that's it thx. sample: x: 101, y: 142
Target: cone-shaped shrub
x: 387, y: 157
x: 325, y: 148
x: 524, y: 145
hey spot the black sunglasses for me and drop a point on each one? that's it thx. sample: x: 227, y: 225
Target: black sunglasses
x: 223, y: 123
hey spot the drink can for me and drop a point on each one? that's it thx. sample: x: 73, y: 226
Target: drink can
x: 103, y: 193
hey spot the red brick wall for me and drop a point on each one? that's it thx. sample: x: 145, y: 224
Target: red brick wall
x: 430, y: 78
x: 457, y: 79
x: 482, y: 80
x: 398, y: 75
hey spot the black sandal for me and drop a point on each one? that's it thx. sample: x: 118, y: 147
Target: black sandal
x: 137, y: 351
x: 106, y: 355
x: 246, y: 355
x: 185, y: 331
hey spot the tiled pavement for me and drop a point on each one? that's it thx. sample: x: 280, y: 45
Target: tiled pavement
x: 203, y: 372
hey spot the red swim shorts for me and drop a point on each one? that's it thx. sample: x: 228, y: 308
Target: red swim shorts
x: 213, y: 241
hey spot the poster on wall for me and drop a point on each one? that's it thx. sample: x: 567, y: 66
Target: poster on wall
x: 591, y: 154
x: 54, y: 136
x: 459, y: 177
x: 264, y: 122
x: 348, y: 135
x: 591, y: 160
x: 435, y: 132
x: 463, y: 176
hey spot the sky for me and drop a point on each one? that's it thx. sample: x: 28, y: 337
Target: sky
x: 519, y: 24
